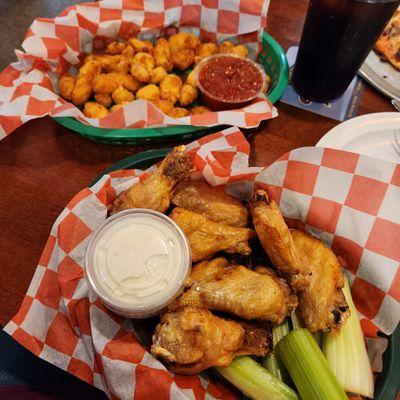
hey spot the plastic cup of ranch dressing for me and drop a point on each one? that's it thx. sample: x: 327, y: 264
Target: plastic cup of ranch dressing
x: 137, y: 262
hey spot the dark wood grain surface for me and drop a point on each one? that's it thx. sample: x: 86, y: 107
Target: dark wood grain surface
x: 42, y: 166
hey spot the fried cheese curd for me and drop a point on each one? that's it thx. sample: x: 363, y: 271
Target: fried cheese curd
x: 161, y: 72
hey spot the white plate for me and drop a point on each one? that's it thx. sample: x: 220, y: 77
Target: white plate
x: 376, y: 135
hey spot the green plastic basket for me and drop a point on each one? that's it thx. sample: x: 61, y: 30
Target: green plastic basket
x: 272, y: 57
x: 387, y: 383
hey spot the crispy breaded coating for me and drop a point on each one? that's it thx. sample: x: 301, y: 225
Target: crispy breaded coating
x: 128, y: 52
x: 188, y: 94
x: 157, y: 75
x: 144, y: 46
x: 163, y: 105
x: 183, y: 59
x: 104, y: 99
x: 240, y: 51
x: 148, y: 92
x: 207, y: 49
x: 94, y: 110
x: 225, y: 47
x: 129, y: 82
x: 140, y: 72
x: 178, y: 112
x: 116, y: 107
x: 162, y: 54
x: 183, y: 40
x: 124, y: 66
x: 145, y: 59
x: 90, y: 68
x: 66, y: 86
x: 170, y: 88
x: 108, y: 62
x: 199, y: 110
x: 191, y: 78
x: 122, y: 95
x: 107, y: 83
x: 82, y: 90
x: 115, y: 47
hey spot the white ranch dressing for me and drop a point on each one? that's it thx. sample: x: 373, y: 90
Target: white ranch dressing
x: 137, y: 262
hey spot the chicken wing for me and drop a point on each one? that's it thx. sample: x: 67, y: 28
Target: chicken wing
x: 212, y: 202
x: 156, y: 191
x: 240, y: 291
x: 207, y: 237
x: 310, y: 267
x: 193, y: 339
x: 208, y: 271
x: 276, y: 239
x: 322, y: 305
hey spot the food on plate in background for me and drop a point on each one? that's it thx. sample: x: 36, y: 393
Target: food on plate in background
x: 229, y: 81
x: 388, y: 44
x: 310, y: 267
x: 156, y: 191
x: 137, y: 69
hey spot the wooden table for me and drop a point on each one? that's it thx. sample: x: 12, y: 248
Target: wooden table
x: 43, y: 165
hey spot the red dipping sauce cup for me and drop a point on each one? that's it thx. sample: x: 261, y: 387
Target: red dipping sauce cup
x: 227, y: 81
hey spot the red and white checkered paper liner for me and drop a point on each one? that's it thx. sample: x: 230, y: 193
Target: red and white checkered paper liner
x: 29, y: 88
x: 347, y: 200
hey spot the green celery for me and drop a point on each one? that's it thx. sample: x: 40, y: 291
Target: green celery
x: 271, y: 362
x: 347, y: 355
x: 308, y: 367
x: 255, y: 381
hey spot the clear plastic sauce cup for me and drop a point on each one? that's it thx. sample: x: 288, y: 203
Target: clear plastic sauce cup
x: 137, y: 262
x: 227, y: 81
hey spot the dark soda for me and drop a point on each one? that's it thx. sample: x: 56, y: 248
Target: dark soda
x: 337, y: 37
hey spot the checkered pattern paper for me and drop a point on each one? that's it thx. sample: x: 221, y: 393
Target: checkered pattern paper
x: 29, y: 89
x: 347, y: 200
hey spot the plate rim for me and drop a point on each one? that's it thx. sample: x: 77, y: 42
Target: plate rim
x: 350, y: 127
x: 390, y: 92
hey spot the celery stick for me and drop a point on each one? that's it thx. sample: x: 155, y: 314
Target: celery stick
x: 255, y: 381
x: 347, y: 355
x: 308, y: 367
x: 271, y: 362
x: 296, y: 321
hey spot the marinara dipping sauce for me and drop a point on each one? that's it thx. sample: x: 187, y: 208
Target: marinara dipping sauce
x: 228, y: 81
